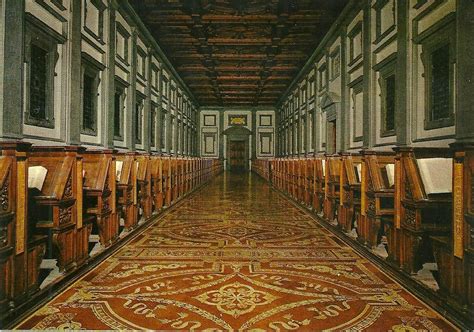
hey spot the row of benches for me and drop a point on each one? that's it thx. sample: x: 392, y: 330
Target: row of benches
x: 55, y: 200
x: 411, y: 206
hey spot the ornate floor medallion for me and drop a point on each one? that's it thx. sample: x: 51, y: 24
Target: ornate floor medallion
x: 245, y: 259
x: 236, y: 299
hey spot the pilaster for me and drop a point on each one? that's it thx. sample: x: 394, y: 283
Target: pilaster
x: 147, y: 104
x: 74, y: 118
x: 402, y: 79
x: 465, y: 71
x: 132, y: 94
x: 110, y: 79
x: 367, y: 63
x: 11, y: 64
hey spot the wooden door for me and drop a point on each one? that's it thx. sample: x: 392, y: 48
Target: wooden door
x: 237, y: 156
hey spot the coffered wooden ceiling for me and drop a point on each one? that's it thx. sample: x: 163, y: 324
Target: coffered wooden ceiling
x: 238, y: 52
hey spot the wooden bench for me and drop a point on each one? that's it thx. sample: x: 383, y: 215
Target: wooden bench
x: 293, y: 178
x: 166, y: 182
x: 377, y: 224
x: 454, y: 253
x: 126, y: 189
x: 426, y: 209
x: 100, y: 193
x: 188, y: 175
x: 56, y: 201
x: 144, y: 198
x: 319, y: 188
x: 156, y: 175
x: 174, y: 179
x: 20, y: 252
x: 301, y: 180
x: 308, y: 182
x: 350, y: 191
x: 331, y: 200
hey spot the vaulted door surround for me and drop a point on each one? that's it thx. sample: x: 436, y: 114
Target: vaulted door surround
x: 237, y: 140
x: 238, y: 52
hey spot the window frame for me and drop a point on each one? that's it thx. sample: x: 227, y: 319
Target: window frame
x: 163, y: 129
x: 387, y: 68
x: 335, y: 54
x: 121, y: 90
x: 357, y: 87
x: 38, y: 35
x: 351, y: 35
x: 439, y: 36
x: 93, y: 68
x: 100, y: 6
x: 378, y: 7
x: 154, y: 111
x: 138, y: 134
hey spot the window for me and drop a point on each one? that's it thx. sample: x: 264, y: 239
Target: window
x: 141, y: 63
x: 163, y: 130
x: 119, y: 107
x: 179, y: 138
x: 89, y: 104
x: 322, y: 77
x: 355, y: 43
x: 118, y: 113
x: 388, y: 93
x: 311, y: 87
x: 304, y: 91
x: 357, y: 108
x: 389, y: 103
x: 38, y: 83
x: 385, y: 20
x: 138, y: 121
x: 303, y: 134
x: 93, y: 22
x: 335, y: 64
x: 121, y: 42
x: 153, y: 125
x: 440, y: 83
x: 310, y: 131
x: 90, y: 70
x: 165, y: 87
x: 172, y: 129
x: 41, y: 57
x: 173, y: 95
x: 438, y: 58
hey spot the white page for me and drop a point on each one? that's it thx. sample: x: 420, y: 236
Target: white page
x: 36, y: 177
x: 436, y: 174
x: 118, y: 168
x: 390, y: 168
x: 359, y: 171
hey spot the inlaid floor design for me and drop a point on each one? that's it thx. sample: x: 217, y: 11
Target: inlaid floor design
x: 236, y: 255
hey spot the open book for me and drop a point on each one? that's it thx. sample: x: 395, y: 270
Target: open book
x: 436, y: 174
x: 390, y: 168
x: 118, y: 169
x: 36, y: 177
x: 358, y: 169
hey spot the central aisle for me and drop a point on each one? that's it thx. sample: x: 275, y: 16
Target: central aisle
x: 236, y: 255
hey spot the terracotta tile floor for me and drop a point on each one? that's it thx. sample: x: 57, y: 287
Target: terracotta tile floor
x: 236, y: 255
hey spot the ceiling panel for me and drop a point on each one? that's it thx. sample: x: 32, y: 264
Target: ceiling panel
x: 235, y: 52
